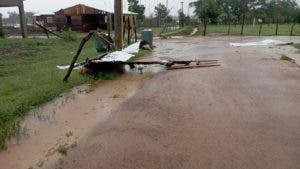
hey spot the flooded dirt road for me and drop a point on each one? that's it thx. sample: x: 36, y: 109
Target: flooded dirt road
x: 59, y: 125
x: 244, y: 114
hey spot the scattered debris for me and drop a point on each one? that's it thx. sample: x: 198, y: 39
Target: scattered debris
x: 267, y: 42
x: 95, y: 66
x: 115, y: 61
x: 195, y: 30
x: 47, y: 31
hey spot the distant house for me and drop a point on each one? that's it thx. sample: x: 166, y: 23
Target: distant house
x: 85, y: 18
x: 46, y: 20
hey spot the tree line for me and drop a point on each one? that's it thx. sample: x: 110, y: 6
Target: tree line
x: 246, y: 11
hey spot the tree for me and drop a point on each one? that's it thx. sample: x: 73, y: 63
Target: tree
x: 161, y: 12
x: 30, y: 17
x: 13, y: 18
x: 182, y: 18
x: 207, y: 11
x: 139, y: 9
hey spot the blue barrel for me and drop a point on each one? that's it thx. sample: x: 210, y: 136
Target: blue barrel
x: 147, y: 35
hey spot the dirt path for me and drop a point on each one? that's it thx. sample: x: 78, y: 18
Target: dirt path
x: 242, y: 115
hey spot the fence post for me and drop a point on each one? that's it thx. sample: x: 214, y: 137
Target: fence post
x: 276, y: 33
x: 1, y: 27
x: 260, y: 27
x: 292, y: 29
x: 243, y: 23
x: 228, y: 31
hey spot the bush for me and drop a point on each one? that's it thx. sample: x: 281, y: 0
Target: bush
x: 68, y: 36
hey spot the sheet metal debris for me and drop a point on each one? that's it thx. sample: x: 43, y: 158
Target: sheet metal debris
x: 267, y: 42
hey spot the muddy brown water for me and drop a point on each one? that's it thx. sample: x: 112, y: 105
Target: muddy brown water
x: 244, y: 114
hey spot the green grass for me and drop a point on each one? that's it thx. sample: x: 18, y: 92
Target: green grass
x: 63, y: 149
x: 29, y: 77
x: 297, y: 46
x: 140, y: 54
x: 186, y: 31
x: 250, y: 30
x: 156, y: 30
x: 286, y: 58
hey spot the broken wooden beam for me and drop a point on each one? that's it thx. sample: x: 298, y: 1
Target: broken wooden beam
x: 84, y: 40
x: 47, y: 30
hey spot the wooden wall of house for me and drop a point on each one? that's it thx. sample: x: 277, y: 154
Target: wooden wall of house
x: 46, y: 20
x: 76, y: 23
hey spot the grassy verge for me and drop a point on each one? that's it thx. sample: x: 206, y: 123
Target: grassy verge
x: 156, y: 30
x: 142, y: 53
x: 286, y: 58
x: 180, y: 32
x: 250, y: 30
x: 29, y: 77
x: 297, y: 46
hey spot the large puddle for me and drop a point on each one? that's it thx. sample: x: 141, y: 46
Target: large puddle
x: 64, y: 121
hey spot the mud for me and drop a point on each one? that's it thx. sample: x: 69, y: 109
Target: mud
x: 64, y: 121
x: 244, y: 114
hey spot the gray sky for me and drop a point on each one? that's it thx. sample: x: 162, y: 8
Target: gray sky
x: 50, y: 6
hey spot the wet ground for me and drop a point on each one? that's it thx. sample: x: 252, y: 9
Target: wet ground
x: 244, y: 114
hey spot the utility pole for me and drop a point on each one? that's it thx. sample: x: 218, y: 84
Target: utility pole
x: 118, y: 24
x: 22, y: 19
x: 182, y: 6
x: 182, y: 15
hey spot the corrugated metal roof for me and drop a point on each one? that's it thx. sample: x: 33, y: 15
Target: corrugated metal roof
x: 84, y: 9
x: 79, y: 9
x: 9, y: 3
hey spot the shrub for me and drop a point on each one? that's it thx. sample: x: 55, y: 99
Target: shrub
x: 69, y: 36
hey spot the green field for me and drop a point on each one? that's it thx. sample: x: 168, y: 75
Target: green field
x: 250, y: 30
x: 29, y: 77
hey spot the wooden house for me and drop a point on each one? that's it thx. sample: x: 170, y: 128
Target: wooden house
x: 85, y: 18
x: 46, y: 20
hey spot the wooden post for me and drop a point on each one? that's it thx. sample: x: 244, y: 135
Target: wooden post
x: 110, y: 28
x: 243, y: 23
x: 260, y: 28
x: 277, y: 22
x: 108, y: 23
x: 134, y: 28
x: 22, y: 19
x: 128, y: 31
x: 118, y: 24
x: 292, y: 29
x: 1, y: 27
x: 124, y: 27
x: 84, y: 40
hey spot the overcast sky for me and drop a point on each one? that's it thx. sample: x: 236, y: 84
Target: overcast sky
x: 50, y: 6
